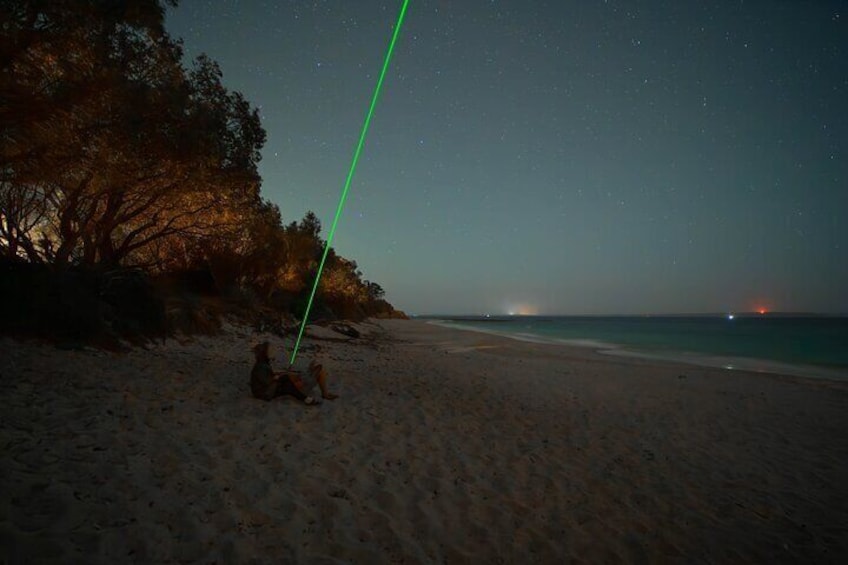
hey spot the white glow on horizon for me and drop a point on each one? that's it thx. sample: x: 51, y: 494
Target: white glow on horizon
x: 521, y: 309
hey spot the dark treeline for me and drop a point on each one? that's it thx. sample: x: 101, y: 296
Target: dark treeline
x: 127, y: 178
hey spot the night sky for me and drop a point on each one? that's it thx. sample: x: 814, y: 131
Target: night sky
x: 565, y: 157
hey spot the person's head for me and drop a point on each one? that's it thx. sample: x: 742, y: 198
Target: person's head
x: 260, y: 351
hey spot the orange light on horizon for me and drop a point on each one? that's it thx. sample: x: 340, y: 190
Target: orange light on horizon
x: 523, y: 310
x: 761, y: 306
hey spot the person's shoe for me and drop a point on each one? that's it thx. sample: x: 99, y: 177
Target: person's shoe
x: 330, y: 396
x: 310, y: 401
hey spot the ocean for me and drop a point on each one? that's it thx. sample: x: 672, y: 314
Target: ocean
x: 793, y: 345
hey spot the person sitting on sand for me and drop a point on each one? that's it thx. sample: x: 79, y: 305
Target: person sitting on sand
x: 267, y: 384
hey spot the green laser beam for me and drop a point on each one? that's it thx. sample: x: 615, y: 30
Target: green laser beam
x: 349, y: 178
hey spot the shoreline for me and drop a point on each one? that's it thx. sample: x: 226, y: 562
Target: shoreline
x: 714, y: 361
x: 444, y: 445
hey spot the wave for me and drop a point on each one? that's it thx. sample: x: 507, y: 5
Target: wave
x: 528, y: 337
x: 731, y: 363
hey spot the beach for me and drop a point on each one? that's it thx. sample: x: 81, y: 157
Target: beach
x: 445, y: 446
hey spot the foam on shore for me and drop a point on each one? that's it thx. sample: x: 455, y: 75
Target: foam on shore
x: 733, y: 363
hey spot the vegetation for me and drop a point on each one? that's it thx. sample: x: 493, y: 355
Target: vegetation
x: 127, y: 178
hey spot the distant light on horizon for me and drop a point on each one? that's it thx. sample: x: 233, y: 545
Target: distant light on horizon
x: 522, y: 310
x: 762, y: 305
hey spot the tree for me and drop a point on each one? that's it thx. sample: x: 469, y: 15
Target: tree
x: 341, y: 280
x: 21, y: 211
x: 112, y: 152
x: 122, y: 145
x: 257, y: 258
x: 374, y: 291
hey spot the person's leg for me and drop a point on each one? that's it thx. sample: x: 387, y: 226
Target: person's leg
x: 286, y: 387
x: 320, y: 375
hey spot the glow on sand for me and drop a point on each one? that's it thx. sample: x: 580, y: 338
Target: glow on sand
x: 349, y: 178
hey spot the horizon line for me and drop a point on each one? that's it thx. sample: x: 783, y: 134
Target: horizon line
x: 735, y: 313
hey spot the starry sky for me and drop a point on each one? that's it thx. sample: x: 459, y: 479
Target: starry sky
x: 558, y: 157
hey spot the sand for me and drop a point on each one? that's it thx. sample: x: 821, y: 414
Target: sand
x: 445, y: 446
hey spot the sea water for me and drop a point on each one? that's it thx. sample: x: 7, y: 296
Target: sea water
x: 802, y: 346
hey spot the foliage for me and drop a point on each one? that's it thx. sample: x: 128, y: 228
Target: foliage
x: 117, y: 163
x: 112, y: 145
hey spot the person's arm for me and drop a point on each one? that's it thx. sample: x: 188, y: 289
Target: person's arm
x: 280, y: 375
x: 291, y: 376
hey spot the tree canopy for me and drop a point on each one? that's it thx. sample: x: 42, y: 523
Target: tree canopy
x: 111, y: 145
x: 113, y: 153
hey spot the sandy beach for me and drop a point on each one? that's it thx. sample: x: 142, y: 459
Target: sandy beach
x: 445, y: 446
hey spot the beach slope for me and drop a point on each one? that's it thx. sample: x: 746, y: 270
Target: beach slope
x: 445, y: 446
